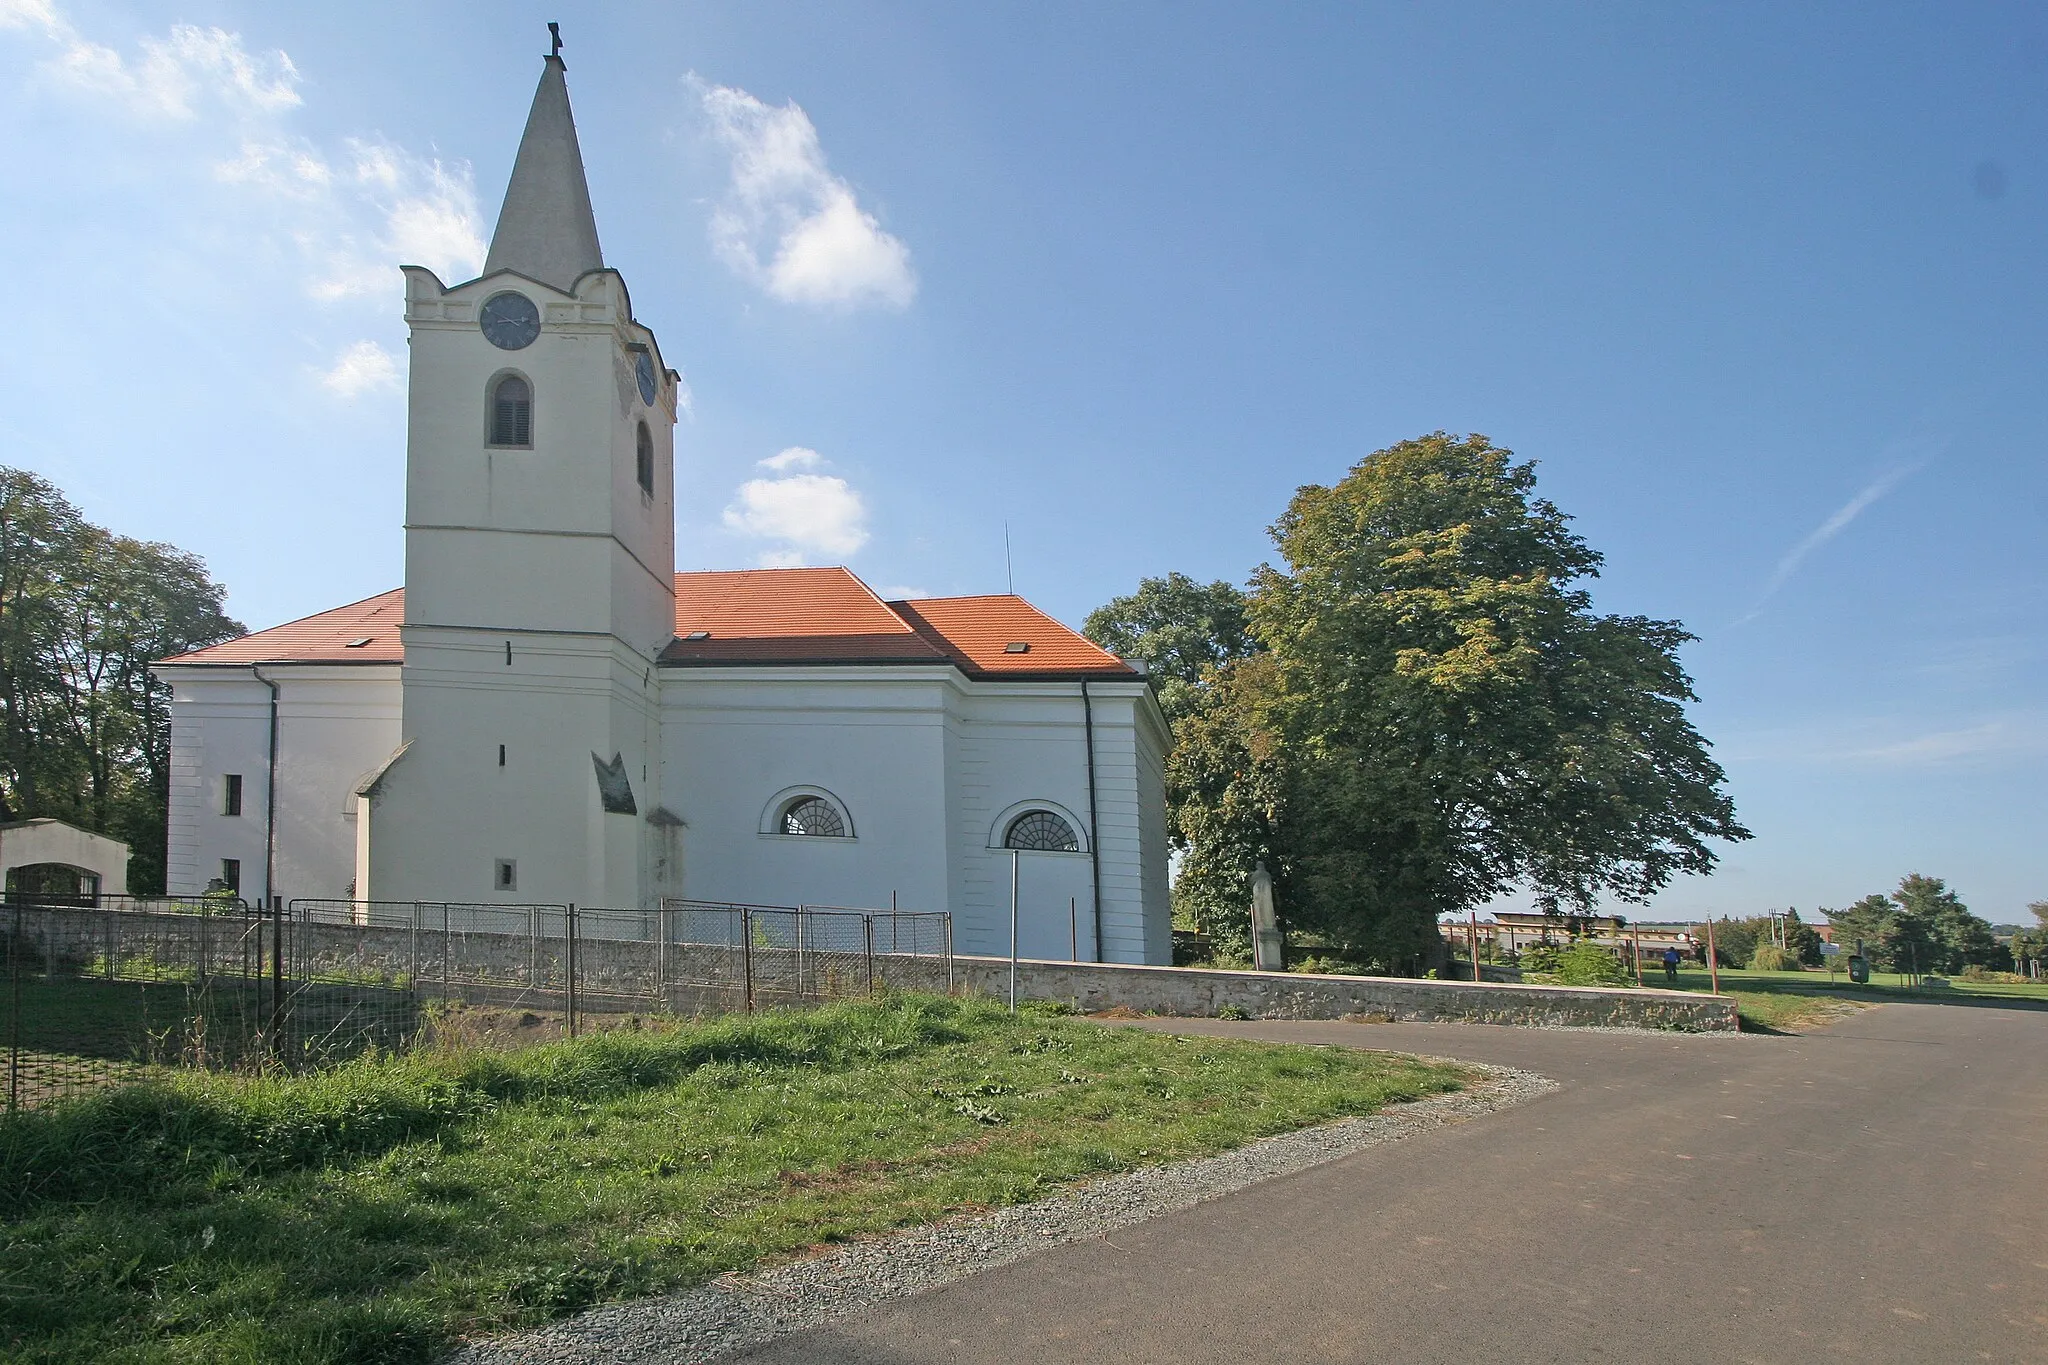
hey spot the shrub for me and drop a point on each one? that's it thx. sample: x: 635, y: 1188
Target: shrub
x: 1973, y: 972
x: 1769, y: 957
x: 1582, y: 964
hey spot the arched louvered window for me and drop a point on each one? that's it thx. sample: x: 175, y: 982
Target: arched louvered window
x: 813, y: 815
x: 1040, y: 831
x: 512, y: 412
x: 643, y: 459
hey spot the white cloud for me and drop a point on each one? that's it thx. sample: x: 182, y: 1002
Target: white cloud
x: 1896, y: 741
x: 1941, y: 745
x: 363, y: 368
x: 796, y: 457
x: 349, y: 217
x: 804, y: 513
x: 28, y: 14
x: 787, y: 223
x: 170, y: 77
x: 899, y: 593
x: 419, y: 211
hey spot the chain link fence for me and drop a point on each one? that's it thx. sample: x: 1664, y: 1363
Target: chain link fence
x: 103, y: 989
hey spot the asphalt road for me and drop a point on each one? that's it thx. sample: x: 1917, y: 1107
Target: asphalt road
x: 1875, y: 1191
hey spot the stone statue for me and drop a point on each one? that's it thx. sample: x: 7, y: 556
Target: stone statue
x: 1266, y: 942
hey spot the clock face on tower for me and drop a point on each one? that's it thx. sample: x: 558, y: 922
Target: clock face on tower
x: 643, y: 370
x: 509, y: 321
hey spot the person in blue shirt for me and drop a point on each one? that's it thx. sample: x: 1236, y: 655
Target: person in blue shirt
x: 1671, y: 966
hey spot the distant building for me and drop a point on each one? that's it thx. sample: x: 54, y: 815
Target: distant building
x: 1513, y: 930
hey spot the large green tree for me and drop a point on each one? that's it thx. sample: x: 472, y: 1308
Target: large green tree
x: 1181, y: 629
x: 1923, y: 926
x: 2031, y: 945
x: 84, y: 726
x: 1437, y: 715
x: 1861, y: 922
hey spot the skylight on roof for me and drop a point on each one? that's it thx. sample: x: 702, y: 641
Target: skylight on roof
x: 698, y: 635
x: 358, y: 644
x: 1017, y: 647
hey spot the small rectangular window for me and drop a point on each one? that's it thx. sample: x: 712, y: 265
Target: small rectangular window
x: 231, y: 795
x: 505, y: 876
x: 231, y: 874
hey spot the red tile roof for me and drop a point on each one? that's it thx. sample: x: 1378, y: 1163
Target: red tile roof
x: 981, y: 635
x: 327, y: 638
x: 789, y: 616
x: 750, y: 616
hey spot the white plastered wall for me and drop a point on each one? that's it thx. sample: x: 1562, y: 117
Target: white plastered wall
x: 335, y: 724
x: 929, y: 766
x: 733, y: 738
x: 448, y: 810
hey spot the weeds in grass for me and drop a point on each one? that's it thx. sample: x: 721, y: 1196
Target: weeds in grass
x: 380, y: 1210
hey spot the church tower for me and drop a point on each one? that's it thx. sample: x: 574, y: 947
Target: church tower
x: 539, y: 566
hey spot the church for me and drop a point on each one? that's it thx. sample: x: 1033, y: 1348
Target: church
x: 547, y: 712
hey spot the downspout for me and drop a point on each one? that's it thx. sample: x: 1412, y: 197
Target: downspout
x: 269, y: 790
x: 1094, y: 844
x: 270, y: 871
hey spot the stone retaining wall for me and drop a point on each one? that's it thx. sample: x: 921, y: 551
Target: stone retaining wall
x: 627, y: 975
x: 1202, y: 992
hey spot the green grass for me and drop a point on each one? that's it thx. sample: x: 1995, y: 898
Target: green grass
x: 379, y: 1211
x: 1789, y: 1001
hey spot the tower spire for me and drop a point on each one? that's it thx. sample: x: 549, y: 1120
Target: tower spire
x: 546, y: 230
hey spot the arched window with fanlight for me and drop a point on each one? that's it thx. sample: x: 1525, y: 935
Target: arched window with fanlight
x: 643, y: 459
x: 512, y: 412
x: 813, y: 816
x: 1041, y: 831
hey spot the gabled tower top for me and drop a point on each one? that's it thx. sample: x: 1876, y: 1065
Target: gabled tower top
x: 546, y: 230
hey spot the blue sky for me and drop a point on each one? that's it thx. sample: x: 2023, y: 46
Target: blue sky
x: 1761, y: 291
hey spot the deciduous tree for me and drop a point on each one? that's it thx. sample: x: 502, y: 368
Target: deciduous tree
x: 1180, y: 628
x: 84, y: 727
x: 1438, y: 715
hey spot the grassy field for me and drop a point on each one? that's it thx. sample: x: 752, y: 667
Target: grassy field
x: 379, y: 1211
x: 1786, y: 1002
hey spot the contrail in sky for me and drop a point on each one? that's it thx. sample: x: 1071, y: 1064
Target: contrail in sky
x: 1827, y: 531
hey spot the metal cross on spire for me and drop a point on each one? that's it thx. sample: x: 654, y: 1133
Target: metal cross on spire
x: 555, y: 32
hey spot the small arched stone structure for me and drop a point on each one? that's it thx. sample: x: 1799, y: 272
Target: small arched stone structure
x: 36, y: 843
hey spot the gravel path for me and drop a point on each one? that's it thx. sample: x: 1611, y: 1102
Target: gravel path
x: 734, y: 1312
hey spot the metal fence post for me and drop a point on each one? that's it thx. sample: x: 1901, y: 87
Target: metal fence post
x: 868, y: 927
x: 415, y: 943
x: 569, y: 932
x: 661, y: 954
x: 277, y: 973
x: 948, y: 938
x: 14, y: 947
x: 747, y: 953
x: 447, y: 950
